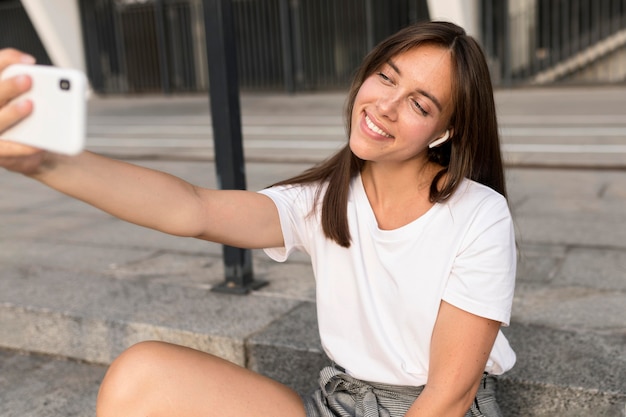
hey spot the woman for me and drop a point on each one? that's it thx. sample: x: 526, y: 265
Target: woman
x: 407, y: 227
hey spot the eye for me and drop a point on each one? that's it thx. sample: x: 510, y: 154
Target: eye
x: 419, y: 108
x: 383, y: 77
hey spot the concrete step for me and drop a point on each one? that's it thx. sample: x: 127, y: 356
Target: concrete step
x: 78, y: 284
x: 564, y: 373
x: 46, y: 386
x: 284, y: 344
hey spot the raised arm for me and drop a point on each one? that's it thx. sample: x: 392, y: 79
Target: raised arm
x: 136, y: 194
x: 460, y: 347
x: 163, y: 202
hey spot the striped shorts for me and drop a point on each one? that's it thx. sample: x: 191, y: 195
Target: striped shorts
x: 340, y: 395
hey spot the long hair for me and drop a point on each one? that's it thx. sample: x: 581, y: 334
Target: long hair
x: 472, y: 152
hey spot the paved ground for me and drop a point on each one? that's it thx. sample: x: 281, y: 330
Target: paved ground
x: 79, y: 284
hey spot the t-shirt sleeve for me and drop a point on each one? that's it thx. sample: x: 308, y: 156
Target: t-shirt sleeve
x: 482, y: 278
x: 291, y: 203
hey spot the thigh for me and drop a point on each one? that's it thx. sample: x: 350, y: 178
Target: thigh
x: 160, y: 379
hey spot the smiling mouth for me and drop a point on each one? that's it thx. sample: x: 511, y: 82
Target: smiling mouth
x: 375, y: 128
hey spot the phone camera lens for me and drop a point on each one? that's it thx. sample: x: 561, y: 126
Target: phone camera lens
x: 64, y: 84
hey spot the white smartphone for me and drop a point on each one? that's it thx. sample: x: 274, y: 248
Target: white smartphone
x: 58, y: 121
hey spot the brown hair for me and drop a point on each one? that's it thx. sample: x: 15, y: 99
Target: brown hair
x: 472, y: 152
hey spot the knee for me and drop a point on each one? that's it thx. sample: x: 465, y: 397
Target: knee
x: 130, y: 381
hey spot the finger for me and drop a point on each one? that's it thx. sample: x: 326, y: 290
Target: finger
x: 13, y: 87
x: 10, y: 149
x: 12, y: 113
x: 10, y: 56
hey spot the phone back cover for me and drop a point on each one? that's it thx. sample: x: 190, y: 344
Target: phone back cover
x: 59, y: 116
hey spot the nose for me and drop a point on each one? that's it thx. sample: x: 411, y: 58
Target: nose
x: 388, y: 105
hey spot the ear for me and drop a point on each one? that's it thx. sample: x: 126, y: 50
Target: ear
x: 440, y: 140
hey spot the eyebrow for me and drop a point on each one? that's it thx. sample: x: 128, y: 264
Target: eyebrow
x: 419, y: 90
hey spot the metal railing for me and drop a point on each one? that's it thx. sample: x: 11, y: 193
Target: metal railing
x: 139, y: 47
x: 158, y: 46
x: 290, y: 45
x: 17, y: 31
x: 555, y: 41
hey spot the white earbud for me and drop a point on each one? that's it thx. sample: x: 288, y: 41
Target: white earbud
x: 441, y: 140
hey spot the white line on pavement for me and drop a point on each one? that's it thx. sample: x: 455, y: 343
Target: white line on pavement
x: 206, y: 130
x: 580, y: 131
x: 331, y: 145
x: 208, y: 143
x: 296, y: 131
x: 561, y: 148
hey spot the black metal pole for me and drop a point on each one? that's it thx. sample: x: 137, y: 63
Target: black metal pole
x: 507, y: 44
x: 298, y: 59
x: 227, y: 137
x: 159, y: 21
x: 287, y: 46
x: 369, y: 24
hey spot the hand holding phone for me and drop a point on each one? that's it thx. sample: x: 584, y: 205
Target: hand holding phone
x: 57, y: 122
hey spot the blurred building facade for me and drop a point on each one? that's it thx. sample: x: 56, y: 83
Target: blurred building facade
x: 158, y: 46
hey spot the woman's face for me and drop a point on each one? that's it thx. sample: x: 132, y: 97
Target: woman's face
x: 403, y: 106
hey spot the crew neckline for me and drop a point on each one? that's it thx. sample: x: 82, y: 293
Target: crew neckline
x: 418, y: 223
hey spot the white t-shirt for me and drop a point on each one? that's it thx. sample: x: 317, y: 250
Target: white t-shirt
x: 377, y: 301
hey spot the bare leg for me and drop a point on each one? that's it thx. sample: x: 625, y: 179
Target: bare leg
x: 159, y: 379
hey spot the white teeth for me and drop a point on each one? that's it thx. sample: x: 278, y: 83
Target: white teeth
x: 375, y: 128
